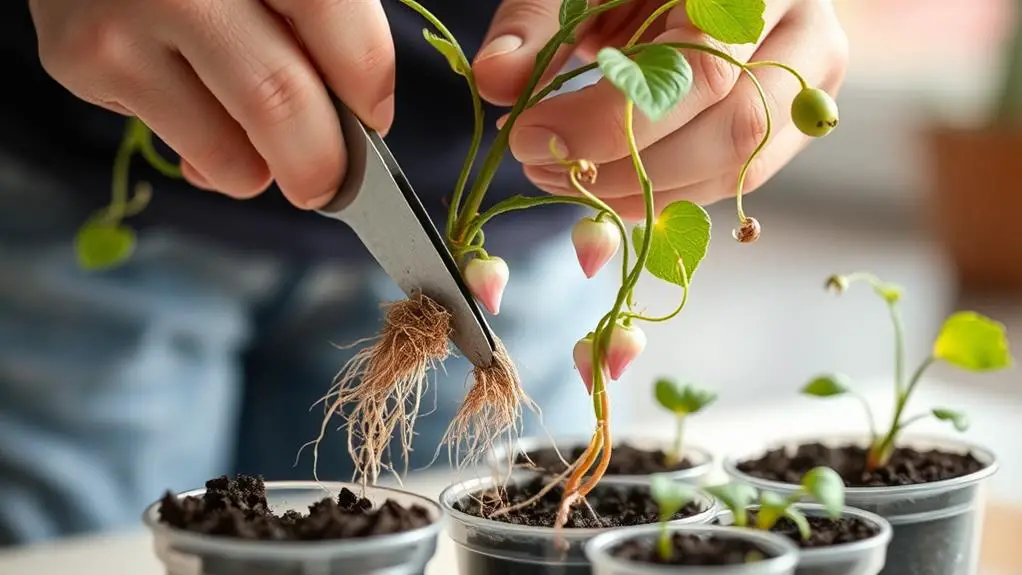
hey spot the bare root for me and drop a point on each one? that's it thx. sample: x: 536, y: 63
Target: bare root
x: 492, y: 408
x: 384, y: 384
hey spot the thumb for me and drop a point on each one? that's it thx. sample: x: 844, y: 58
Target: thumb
x: 519, y: 30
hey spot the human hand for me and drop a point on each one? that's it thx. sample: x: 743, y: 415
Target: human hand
x: 233, y: 86
x: 693, y: 153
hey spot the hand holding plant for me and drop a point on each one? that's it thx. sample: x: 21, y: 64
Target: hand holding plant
x: 967, y: 340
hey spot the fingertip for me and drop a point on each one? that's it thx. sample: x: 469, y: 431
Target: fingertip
x: 193, y: 177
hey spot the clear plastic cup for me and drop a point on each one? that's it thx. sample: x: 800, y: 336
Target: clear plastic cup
x: 781, y: 552
x: 860, y: 558
x: 702, y: 459
x: 189, y: 553
x: 490, y: 547
x: 936, y: 526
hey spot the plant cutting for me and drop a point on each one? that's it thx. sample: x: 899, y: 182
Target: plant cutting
x: 928, y: 489
x: 635, y: 457
x: 382, y: 384
x: 321, y: 527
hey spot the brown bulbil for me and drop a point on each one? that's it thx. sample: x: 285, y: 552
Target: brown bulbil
x: 587, y: 171
x: 748, y: 232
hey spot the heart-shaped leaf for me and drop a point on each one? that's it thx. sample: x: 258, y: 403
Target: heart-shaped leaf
x: 655, y: 80
x: 670, y: 495
x: 973, y: 342
x: 827, y: 385
x: 102, y: 246
x: 827, y: 488
x: 957, y: 418
x: 453, y: 55
x: 681, y: 400
x: 680, y: 233
x: 730, y: 21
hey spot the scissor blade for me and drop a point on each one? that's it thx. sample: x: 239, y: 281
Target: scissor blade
x: 389, y: 218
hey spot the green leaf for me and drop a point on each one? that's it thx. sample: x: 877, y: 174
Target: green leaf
x: 973, y: 342
x: 670, y: 495
x: 735, y: 496
x: 771, y: 508
x: 730, y: 21
x: 827, y: 488
x: 827, y: 385
x: 453, y: 55
x: 800, y: 521
x: 657, y: 79
x: 571, y: 9
x: 101, y: 246
x: 957, y: 418
x: 681, y: 400
x: 680, y: 232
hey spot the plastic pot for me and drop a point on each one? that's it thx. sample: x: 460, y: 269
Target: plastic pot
x: 701, y: 458
x: 860, y: 558
x: 490, y: 547
x: 407, y: 553
x: 781, y: 552
x: 936, y: 526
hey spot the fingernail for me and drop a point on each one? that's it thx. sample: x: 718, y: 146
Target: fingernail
x: 532, y: 145
x: 499, y: 46
x: 502, y: 120
x: 320, y: 201
x: 383, y: 114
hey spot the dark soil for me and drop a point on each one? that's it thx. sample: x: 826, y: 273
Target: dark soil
x: 624, y: 460
x: 906, y: 467
x: 825, y: 531
x: 691, y: 549
x: 238, y: 508
x: 615, y: 506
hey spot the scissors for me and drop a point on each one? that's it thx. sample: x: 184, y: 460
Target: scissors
x: 377, y: 202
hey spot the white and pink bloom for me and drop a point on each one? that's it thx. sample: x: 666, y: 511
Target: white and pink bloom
x: 596, y: 242
x: 626, y: 344
x: 486, y: 278
x: 583, y: 356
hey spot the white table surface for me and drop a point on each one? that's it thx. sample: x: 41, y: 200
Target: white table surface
x: 726, y: 431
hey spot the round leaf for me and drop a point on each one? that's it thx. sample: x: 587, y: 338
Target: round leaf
x: 102, y: 246
x: 827, y: 385
x: 826, y: 487
x: 730, y: 21
x: 453, y: 55
x: 680, y: 233
x: 957, y: 418
x: 735, y: 496
x: 973, y: 342
x: 656, y: 79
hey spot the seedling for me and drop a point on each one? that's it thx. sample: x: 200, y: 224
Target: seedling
x: 821, y: 484
x: 384, y: 382
x: 967, y: 340
x: 682, y: 401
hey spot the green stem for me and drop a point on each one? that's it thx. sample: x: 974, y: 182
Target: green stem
x: 679, y: 438
x: 759, y: 148
x: 772, y: 64
x: 649, y: 21
x: 122, y: 165
x: 677, y: 310
x: 143, y: 137
x: 477, y: 108
x: 664, y: 542
x: 881, y: 452
x: 496, y: 152
x: 869, y: 416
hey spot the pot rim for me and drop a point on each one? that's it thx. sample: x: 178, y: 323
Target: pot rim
x: 525, y: 444
x: 880, y: 539
x: 192, y: 542
x: 785, y: 561
x: 985, y: 455
x: 458, y: 491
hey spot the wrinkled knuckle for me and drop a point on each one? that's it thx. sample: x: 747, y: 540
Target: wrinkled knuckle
x: 279, y: 96
x: 748, y: 128
x: 715, y: 75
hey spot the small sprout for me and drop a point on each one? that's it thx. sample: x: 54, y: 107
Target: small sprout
x: 486, y: 278
x: 814, y: 112
x: 826, y: 487
x: 748, y: 231
x: 682, y: 401
x: 827, y: 386
x: 596, y: 241
x: 737, y: 497
x: 670, y: 496
x: 627, y: 342
x: 583, y: 356
x: 967, y: 340
x: 102, y: 246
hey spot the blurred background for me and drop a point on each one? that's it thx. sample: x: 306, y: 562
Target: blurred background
x: 921, y: 184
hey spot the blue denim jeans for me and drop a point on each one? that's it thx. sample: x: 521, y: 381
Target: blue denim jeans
x: 193, y: 360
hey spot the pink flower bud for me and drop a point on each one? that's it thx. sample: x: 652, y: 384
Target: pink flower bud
x: 486, y: 279
x: 583, y: 355
x: 626, y: 343
x: 595, y: 243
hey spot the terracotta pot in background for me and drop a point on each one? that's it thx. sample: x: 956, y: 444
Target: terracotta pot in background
x: 975, y: 205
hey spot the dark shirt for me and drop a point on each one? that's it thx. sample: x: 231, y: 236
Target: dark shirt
x: 48, y: 128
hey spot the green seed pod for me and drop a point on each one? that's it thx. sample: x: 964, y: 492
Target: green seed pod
x: 814, y: 112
